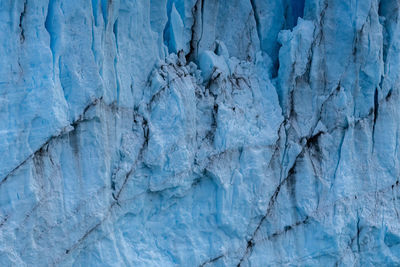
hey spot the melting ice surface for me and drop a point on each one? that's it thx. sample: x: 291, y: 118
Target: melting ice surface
x: 199, y: 133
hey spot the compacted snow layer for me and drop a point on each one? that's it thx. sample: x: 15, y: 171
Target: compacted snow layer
x: 199, y: 133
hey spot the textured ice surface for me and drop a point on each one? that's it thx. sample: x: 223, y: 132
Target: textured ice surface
x: 199, y: 133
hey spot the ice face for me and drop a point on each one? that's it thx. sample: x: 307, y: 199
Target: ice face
x: 199, y: 133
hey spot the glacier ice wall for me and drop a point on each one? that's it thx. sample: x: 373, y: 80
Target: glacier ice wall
x: 199, y: 133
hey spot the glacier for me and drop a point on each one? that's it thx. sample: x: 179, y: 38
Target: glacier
x: 199, y: 133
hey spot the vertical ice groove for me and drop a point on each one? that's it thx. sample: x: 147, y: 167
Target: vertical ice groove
x: 115, y: 32
x: 376, y: 110
x: 21, y: 21
x: 104, y: 10
x: 50, y: 25
x: 92, y: 47
x: 257, y: 20
x: 202, y: 23
x: 167, y: 28
x: 339, y: 156
x: 197, y: 29
x: 297, y: 8
x: 193, y: 40
x: 95, y: 8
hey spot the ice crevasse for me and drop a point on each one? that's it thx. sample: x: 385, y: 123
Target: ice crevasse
x: 199, y: 133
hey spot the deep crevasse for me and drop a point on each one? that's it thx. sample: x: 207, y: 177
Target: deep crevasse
x: 194, y: 133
